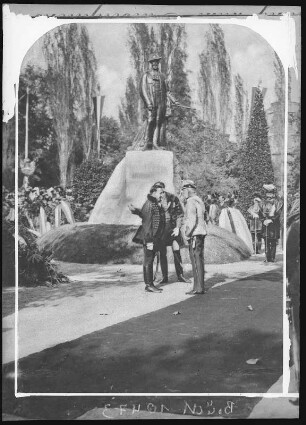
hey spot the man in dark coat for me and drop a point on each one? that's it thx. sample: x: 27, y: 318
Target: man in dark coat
x: 270, y: 213
x: 174, y: 215
x: 150, y: 233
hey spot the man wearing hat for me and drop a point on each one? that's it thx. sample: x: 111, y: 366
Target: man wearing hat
x: 195, y: 231
x: 255, y: 224
x: 270, y: 215
x: 155, y: 93
x: 150, y: 233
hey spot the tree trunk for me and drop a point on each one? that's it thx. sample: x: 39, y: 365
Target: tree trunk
x: 7, y: 154
x: 63, y: 166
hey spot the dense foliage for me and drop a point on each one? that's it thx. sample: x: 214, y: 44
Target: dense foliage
x: 256, y: 164
x: 205, y: 155
x: 34, y: 267
x: 89, y: 180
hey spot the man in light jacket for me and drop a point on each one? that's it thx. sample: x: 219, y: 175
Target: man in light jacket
x: 195, y: 232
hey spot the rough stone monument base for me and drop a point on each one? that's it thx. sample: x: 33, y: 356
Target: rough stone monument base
x: 112, y: 244
x: 130, y: 183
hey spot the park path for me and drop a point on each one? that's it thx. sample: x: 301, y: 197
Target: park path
x: 234, y: 336
x: 101, y: 296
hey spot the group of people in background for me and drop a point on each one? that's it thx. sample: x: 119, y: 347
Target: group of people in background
x: 263, y: 221
x: 168, y: 220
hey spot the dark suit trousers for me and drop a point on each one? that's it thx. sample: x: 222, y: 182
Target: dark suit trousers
x: 164, y: 262
x: 197, y: 260
x: 148, y: 260
x: 270, y: 249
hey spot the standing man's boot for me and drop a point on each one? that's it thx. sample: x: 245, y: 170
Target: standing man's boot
x: 269, y: 252
x: 148, y: 270
x: 163, y: 265
x: 273, y: 251
x: 178, y: 266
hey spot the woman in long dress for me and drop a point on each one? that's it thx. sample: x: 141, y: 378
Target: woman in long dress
x: 232, y: 220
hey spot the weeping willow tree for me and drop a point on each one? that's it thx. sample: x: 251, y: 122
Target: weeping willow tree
x: 71, y: 68
x: 215, y: 79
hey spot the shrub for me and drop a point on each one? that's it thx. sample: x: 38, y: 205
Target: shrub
x: 34, y: 267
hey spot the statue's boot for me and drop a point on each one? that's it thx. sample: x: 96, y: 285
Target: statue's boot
x: 158, y: 148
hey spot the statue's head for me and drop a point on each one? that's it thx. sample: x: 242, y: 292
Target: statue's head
x: 154, y: 60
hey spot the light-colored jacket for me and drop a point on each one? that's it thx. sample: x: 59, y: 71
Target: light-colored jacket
x: 194, y: 217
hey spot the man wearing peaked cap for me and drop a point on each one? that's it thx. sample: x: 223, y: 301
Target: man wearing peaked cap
x: 195, y: 232
x: 270, y: 214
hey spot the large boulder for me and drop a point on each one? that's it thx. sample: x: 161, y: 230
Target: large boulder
x: 108, y: 243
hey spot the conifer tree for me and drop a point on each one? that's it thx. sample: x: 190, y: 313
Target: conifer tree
x: 256, y: 162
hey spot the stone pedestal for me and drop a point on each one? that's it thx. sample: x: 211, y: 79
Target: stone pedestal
x: 130, y: 183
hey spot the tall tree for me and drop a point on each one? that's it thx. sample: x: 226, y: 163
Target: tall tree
x: 128, y: 112
x: 255, y: 157
x: 172, y: 42
x: 41, y: 147
x: 89, y: 85
x: 241, y: 107
x: 215, y: 79
x: 71, y: 77
x: 277, y: 139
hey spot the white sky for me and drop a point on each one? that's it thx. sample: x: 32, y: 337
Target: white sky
x: 251, y: 57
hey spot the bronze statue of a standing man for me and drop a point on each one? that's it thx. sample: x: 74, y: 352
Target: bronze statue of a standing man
x: 157, y: 98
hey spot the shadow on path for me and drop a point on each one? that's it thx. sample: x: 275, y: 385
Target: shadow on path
x: 203, y: 349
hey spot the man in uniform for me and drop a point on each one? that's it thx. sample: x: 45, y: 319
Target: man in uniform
x: 155, y: 93
x: 270, y: 215
x: 195, y: 232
